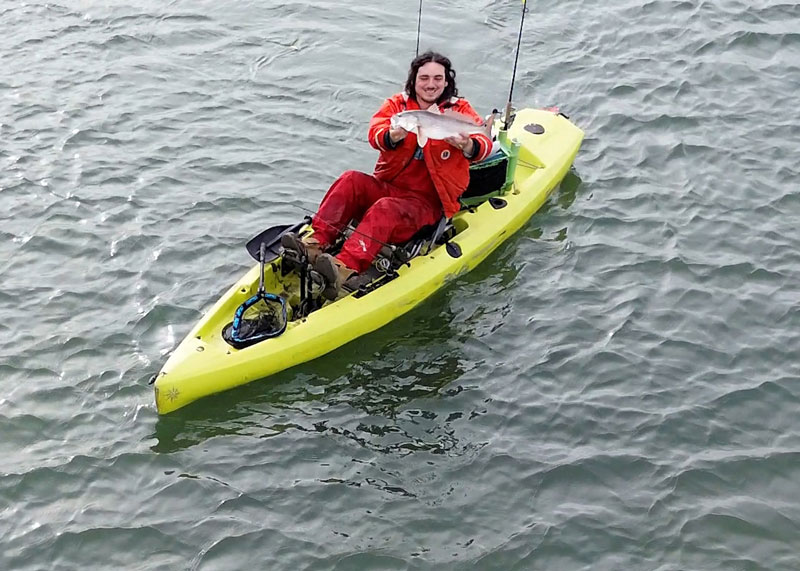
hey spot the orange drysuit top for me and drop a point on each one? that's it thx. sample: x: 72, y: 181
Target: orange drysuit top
x: 447, y: 165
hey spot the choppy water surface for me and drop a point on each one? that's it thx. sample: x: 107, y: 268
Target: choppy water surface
x: 614, y: 388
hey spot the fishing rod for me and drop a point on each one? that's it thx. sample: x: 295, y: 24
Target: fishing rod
x: 419, y: 26
x: 507, y: 122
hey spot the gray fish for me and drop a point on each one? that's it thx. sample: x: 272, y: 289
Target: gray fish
x: 431, y: 125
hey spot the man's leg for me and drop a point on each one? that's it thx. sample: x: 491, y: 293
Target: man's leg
x: 349, y: 197
x: 391, y: 220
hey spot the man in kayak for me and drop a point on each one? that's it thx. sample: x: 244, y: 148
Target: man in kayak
x: 411, y: 186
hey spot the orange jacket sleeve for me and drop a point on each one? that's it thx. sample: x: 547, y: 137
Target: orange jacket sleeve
x: 484, y: 141
x: 380, y: 122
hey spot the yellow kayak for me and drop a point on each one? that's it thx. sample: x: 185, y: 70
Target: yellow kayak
x: 536, y: 153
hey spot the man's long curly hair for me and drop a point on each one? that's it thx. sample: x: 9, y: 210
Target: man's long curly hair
x: 450, y: 89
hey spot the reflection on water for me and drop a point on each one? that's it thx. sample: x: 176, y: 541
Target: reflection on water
x: 568, y: 190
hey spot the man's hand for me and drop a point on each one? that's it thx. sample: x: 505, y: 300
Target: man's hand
x: 463, y: 143
x: 397, y: 134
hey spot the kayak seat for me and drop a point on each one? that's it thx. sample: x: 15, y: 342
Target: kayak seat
x: 399, y: 254
x: 420, y: 243
x: 487, y: 178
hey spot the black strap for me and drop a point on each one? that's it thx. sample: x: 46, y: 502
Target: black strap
x: 388, y: 143
x: 476, y: 150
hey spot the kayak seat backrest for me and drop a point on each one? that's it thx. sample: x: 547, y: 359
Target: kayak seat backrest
x: 486, y: 179
x: 417, y: 244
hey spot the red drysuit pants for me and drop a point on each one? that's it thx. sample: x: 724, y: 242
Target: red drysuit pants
x: 385, y: 212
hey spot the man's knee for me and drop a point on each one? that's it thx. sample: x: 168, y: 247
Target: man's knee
x: 353, y: 177
x: 387, y: 208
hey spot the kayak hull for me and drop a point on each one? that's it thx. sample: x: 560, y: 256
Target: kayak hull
x: 204, y: 363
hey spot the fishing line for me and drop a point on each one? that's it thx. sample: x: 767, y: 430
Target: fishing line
x: 344, y: 227
x: 419, y: 26
x: 514, y: 73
